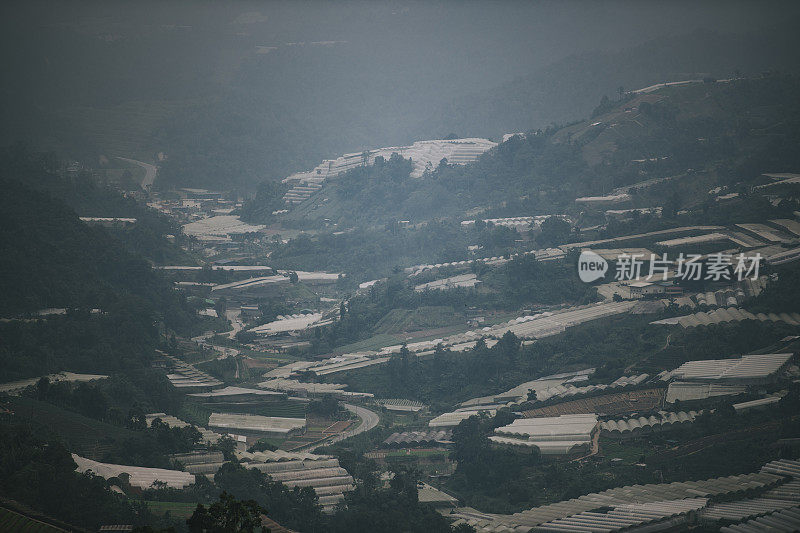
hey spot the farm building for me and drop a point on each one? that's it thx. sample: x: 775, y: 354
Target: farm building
x: 634, y: 427
x: 731, y: 314
x: 698, y: 239
x: 747, y: 370
x: 687, y: 391
x: 767, y: 233
x: 785, y: 521
x: 641, y: 289
x: 629, y: 214
x: 517, y: 223
x: 220, y: 226
x: 632, y: 515
x: 418, y: 438
x: 287, y: 370
x: 256, y: 425
x: 519, y: 393
x: 252, y: 288
x: 185, y: 376
x: 311, y: 389
x: 613, y: 254
x: 461, y: 281
x: 250, y: 311
x: 566, y: 390
x: 343, y: 363
x: 321, y: 472
x: 603, y: 200
x: 315, y: 278
x: 559, y: 435
x: 776, y: 254
x: 239, y: 394
x: 594, y: 507
x: 455, y: 418
x: 173, y: 422
x: 201, y: 462
x: 761, y: 403
x: 140, y: 476
x: 109, y: 222
x: 423, y: 154
x: 400, y: 405
x: 291, y: 323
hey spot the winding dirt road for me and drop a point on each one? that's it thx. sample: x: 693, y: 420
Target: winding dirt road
x: 150, y: 172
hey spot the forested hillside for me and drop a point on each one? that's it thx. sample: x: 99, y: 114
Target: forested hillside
x: 730, y: 130
x: 51, y: 259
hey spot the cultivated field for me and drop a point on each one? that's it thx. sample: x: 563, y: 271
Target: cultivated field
x: 608, y: 404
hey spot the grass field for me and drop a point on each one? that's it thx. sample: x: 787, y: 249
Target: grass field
x: 403, y: 320
x: 175, y: 509
x: 12, y: 521
x: 629, y: 452
x: 376, y: 342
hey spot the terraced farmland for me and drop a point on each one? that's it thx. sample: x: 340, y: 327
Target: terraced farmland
x: 199, y: 413
x: 402, y: 320
x: 607, y: 404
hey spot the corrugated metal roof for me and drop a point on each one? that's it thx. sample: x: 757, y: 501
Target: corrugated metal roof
x: 783, y: 467
x: 567, y: 390
x: 624, y: 495
x: 455, y: 418
x: 418, y: 437
x: 629, y: 425
x: 748, y: 366
x: 320, y: 472
x: 686, y: 391
x: 739, y: 510
x: 623, y: 516
x: 139, y: 476
x: 245, y: 422
x: 787, y: 520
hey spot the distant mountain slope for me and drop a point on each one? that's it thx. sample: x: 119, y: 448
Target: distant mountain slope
x: 49, y: 258
x: 569, y: 89
x: 86, y: 193
x: 735, y: 129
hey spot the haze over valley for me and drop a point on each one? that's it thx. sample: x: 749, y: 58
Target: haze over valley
x: 400, y: 266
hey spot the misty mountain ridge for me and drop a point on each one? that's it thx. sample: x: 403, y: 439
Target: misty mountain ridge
x: 239, y: 116
x: 569, y: 89
x: 707, y: 126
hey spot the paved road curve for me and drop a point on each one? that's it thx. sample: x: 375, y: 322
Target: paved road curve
x: 150, y: 172
x: 369, y: 419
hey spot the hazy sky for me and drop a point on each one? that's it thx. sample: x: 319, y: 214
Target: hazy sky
x: 293, y: 72
x: 513, y: 35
